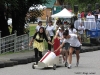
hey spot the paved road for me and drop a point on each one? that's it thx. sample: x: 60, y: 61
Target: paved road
x: 89, y: 65
x: 28, y: 53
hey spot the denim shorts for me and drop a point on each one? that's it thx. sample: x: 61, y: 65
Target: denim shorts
x: 67, y: 45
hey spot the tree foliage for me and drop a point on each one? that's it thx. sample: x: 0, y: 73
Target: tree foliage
x: 81, y: 3
x: 17, y: 10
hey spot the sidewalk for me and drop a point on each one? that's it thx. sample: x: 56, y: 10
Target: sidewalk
x: 28, y: 57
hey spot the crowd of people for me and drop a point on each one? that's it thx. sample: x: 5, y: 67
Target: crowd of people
x: 70, y: 41
x: 90, y: 15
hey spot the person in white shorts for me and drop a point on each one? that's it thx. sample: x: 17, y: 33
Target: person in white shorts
x: 75, y: 44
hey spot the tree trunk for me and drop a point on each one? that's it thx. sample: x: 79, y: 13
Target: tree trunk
x: 3, y: 22
x: 18, y: 20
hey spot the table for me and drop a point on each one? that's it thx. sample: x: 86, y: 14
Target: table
x: 90, y: 25
x: 87, y: 24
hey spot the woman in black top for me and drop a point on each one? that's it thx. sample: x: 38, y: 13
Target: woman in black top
x: 38, y: 44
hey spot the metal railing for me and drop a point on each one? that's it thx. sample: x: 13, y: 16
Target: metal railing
x: 14, y: 43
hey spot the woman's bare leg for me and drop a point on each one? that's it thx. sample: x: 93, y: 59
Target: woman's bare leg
x: 70, y: 56
x: 77, y: 57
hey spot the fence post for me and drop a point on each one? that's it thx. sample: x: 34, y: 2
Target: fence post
x: 0, y: 34
x: 0, y: 42
x: 28, y: 40
x: 15, y: 41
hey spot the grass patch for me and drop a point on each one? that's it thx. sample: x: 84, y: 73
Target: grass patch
x: 86, y: 39
x: 32, y: 30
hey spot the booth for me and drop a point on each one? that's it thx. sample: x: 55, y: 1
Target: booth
x: 62, y: 14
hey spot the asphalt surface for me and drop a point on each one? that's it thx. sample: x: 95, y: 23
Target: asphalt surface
x: 31, y: 53
x: 13, y: 59
x: 89, y: 65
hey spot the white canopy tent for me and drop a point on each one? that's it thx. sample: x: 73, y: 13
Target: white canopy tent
x: 63, y: 14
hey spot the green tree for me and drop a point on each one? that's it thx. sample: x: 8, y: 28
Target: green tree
x: 82, y: 4
x: 17, y: 10
x: 3, y: 21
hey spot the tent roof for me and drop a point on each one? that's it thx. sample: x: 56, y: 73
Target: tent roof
x: 63, y: 14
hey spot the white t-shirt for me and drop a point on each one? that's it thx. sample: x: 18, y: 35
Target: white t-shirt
x: 50, y: 29
x: 81, y: 29
x: 90, y: 18
x: 93, y: 18
x: 73, y: 41
x: 60, y: 35
x: 74, y: 31
x: 38, y: 27
x: 98, y: 16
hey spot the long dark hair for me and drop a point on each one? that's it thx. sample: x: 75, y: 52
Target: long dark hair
x: 72, y: 27
x: 41, y: 35
x: 66, y: 32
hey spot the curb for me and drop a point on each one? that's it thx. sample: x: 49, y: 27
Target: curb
x: 28, y: 59
x: 88, y: 44
x: 2, y: 64
x: 8, y: 63
x: 21, y: 60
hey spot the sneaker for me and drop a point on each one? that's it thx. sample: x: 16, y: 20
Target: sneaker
x: 77, y: 64
x: 66, y: 64
x: 69, y: 66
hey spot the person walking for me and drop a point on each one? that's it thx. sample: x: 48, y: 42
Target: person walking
x: 72, y: 30
x: 50, y: 29
x: 64, y: 49
x: 38, y: 43
x: 75, y: 44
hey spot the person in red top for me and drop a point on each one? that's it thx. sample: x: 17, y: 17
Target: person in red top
x: 82, y: 14
x: 89, y: 13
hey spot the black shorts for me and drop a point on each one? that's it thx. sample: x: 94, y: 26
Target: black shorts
x: 76, y: 48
